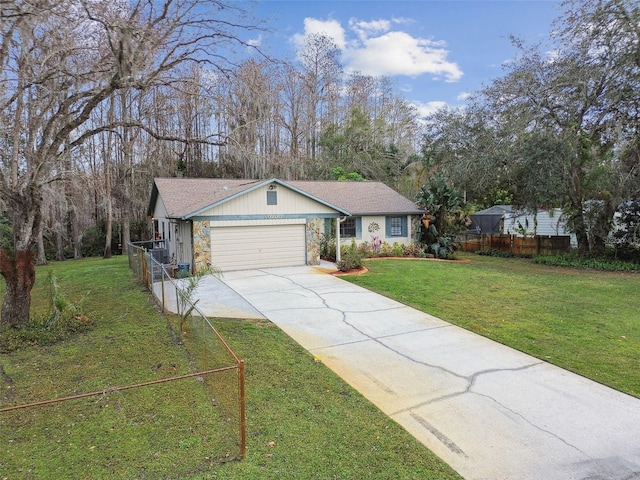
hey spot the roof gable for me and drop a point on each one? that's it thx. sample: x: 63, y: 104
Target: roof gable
x: 186, y: 197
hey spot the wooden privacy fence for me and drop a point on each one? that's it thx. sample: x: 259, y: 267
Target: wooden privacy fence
x: 516, y: 245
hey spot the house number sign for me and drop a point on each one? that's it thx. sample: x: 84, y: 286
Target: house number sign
x: 272, y: 217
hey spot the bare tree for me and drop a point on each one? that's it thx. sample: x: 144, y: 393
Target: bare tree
x: 322, y: 73
x: 60, y: 60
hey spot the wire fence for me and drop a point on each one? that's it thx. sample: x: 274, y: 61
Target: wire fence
x: 207, y: 348
x: 159, y: 426
x: 147, y: 430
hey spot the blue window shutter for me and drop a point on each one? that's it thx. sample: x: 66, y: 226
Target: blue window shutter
x: 405, y: 232
x: 358, y: 227
x: 387, y: 227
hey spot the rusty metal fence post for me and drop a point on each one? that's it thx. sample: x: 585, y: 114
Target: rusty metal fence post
x: 146, y: 265
x: 243, y: 413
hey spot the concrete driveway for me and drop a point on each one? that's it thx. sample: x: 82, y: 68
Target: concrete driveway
x: 489, y: 411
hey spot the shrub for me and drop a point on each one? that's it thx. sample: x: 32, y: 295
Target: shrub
x: 365, y: 249
x: 495, y: 253
x: 576, y: 261
x: 93, y: 240
x: 413, y: 250
x: 386, y: 250
x: 327, y: 246
x: 63, y: 320
x: 398, y: 251
x: 351, y: 257
x: 441, y: 246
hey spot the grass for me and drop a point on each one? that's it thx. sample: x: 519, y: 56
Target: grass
x: 303, y: 421
x: 582, y: 320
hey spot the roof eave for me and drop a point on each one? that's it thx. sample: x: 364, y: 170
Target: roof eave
x: 260, y: 185
x: 401, y: 212
x: 153, y: 199
x: 222, y: 200
x: 312, y: 197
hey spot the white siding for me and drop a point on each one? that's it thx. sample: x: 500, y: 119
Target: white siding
x: 242, y: 248
x: 255, y: 203
x: 159, y: 210
x: 252, y: 223
x: 547, y: 224
x: 368, y: 221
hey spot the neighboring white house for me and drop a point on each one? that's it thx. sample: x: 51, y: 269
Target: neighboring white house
x: 544, y: 222
x: 506, y: 219
x: 236, y: 224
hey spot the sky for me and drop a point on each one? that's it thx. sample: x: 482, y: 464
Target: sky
x: 436, y: 51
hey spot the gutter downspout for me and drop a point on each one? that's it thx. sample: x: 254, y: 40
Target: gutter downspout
x: 338, y: 222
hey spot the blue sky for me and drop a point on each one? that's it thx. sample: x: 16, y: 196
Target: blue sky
x: 435, y: 51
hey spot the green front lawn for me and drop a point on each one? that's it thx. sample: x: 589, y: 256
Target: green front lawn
x: 583, y: 320
x: 303, y: 421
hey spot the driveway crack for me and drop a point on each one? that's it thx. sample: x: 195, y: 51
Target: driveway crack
x: 366, y: 335
x: 469, y: 379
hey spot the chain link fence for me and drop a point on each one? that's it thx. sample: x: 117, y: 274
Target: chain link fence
x: 158, y: 428
x: 207, y: 348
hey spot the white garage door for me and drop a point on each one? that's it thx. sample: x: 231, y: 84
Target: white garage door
x: 242, y: 248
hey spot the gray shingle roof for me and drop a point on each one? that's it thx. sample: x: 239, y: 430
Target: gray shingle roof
x: 360, y: 198
x: 183, y: 197
x: 496, y: 210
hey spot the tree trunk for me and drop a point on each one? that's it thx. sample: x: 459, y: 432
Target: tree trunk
x: 59, y: 244
x: 107, y: 152
x: 42, y: 257
x: 76, y: 233
x: 583, y: 242
x: 580, y: 229
x: 126, y: 232
x: 20, y: 275
x: 16, y: 264
x: 109, y: 232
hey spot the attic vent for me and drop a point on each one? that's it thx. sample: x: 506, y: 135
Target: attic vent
x: 272, y: 197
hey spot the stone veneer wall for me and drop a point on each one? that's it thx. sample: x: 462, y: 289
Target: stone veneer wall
x: 201, y: 245
x: 315, y: 228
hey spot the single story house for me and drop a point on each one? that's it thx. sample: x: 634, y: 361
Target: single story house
x: 237, y: 224
x: 506, y: 219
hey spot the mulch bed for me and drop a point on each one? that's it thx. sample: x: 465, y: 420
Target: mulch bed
x: 353, y: 271
x: 363, y: 269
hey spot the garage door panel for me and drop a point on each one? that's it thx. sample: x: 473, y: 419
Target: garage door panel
x: 241, y: 248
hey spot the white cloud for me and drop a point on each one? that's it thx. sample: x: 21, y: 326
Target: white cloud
x: 330, y: 28
x: 402, y: 20
x: 255, y: 42
x: 398, y: 53
x: 462, y: 96
x: 426, y: 109
x: 375, y: 49
x: 365, y: 29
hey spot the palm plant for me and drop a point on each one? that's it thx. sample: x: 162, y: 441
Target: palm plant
x: 439, y: 199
